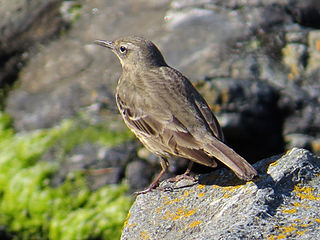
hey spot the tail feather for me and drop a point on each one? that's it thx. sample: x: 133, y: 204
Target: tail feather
x: 231, y: 159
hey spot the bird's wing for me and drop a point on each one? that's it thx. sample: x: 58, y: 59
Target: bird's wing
x: 195, y: 105
x: 215, y: 147
x: 148, y: 121
x: 165, y: 132
x: 207, y: 115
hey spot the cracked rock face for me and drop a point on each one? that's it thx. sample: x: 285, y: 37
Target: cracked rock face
x: 283, y: 202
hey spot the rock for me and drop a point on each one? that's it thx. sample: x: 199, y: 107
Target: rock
x: 306, y: 13
x: 282, y: 203
x: 314, y: 51
x: 101, y: 165
x: 255, y: 129
x: 23, y: 24
x: 303, y: 141
x: 298, y: 140
x: 70, y: 73
x: 26, y: 22
x: 139, y: 174
x: 219, y: 44
x: 301, y: 105
x: 294, y: 56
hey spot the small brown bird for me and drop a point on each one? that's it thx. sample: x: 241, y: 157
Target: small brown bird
x: 163, y: 109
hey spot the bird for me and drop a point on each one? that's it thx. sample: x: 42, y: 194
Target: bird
x: 166, y: 112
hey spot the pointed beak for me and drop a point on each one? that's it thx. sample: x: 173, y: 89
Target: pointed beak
x: 104, y: 43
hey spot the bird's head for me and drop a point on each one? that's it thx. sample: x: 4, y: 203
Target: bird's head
x: 135, y: 52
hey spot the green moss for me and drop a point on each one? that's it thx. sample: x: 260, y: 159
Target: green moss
x: 75, y: 11
x: 31, y: 209
x: 78, y: 131
x: 71, y: 10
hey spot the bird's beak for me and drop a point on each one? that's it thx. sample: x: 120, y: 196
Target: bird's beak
x: 104, y: 43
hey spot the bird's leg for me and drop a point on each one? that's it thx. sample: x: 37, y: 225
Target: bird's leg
x: 186, y: 174
x: 164, y: 164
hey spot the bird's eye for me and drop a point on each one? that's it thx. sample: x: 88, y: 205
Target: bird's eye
x: 123, y: 49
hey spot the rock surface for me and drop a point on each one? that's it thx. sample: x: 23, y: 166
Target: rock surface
x: 284, y: 202
x: 23, y: 24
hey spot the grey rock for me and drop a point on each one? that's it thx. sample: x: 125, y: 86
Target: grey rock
x: 306, y: 13
x: 302, y: 105
x: 254, y: 130
x: 298, y: 140
x: 294, y: 57
x: 295, y: 35
x: 221, y: 36
x: 139, y: 174
x: 314, y: 51
x: 101, y: 165
x: 71, y: 72
x: 282, y: 203
x: 23, y: 24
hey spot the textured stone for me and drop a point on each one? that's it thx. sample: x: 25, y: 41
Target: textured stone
x: 256, y: 103
x: 294, y: 57
x: 24, y: 23
x: 314, y: 51
x: 284, y: 202
x: 71, y: 73
x: 139, y: 174
x: 101, y: 165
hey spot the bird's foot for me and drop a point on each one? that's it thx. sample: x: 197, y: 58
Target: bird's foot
x: 151, y: 187
x: 155, y: 184
x: 182, y: 177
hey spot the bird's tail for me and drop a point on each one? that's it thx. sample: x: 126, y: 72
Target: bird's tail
x: 231, y: 159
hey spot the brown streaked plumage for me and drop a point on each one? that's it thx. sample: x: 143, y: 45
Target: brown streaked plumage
x: 166, y: 112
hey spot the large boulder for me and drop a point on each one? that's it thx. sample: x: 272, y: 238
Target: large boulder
x: 283, y: 202
x: 23, y: 24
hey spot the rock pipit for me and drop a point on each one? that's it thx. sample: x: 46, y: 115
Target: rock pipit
x: 163, y: 109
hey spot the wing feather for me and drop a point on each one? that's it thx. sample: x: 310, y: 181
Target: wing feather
x: 208, y: 115
x: 172, y: 136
